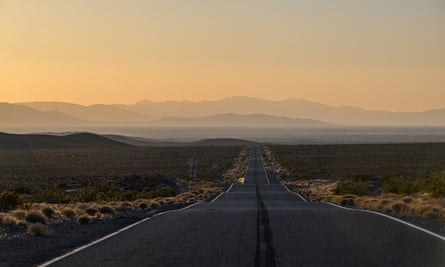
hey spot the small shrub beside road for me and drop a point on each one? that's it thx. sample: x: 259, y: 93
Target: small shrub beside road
x: 36, y: 217
x: 37, y: 229
x: 83, y: 219
x: 69, y: 213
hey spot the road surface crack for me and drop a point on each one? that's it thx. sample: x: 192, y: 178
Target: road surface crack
x: 265, y: 252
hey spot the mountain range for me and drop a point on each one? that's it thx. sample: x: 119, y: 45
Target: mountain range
x: 14, y: 115
x: 232, y: 111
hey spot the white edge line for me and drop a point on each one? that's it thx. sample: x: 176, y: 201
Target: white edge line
x: 391, y: 218
x: 111, y: 235
x: 222, y: 193
x: 218, y: 196
x: 295, y: 193
x: 230, y: 188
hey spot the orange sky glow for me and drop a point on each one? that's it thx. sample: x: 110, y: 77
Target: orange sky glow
x: 379, y: 54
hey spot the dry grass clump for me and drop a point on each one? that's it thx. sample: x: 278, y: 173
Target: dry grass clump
x: 37, y: 229
x: 83, y: 213
x: 201, y: 192
x: 123, y: 207
x: 400, y: 208
x: 83, y: 206
x: 408, y: 200
x: 333, y: 199
x: 19, y: 214
x: 49, y: 212
x: 69, y: 213
x: 106, y: 210
x: 420, y: 204
x: 430, y: 211
x: 383, y: 204
x: 83, y: 219
x: 7, y: 220
x: 143, y: 205
x: 395, y: 204
x: 367, y: 203
x: 315, y: 189
x: 187, y: 196
x: 36, y: 217
x: 91, y: 211
x: 348, y: 200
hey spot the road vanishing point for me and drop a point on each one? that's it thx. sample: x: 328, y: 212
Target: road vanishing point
x: 261, y: 223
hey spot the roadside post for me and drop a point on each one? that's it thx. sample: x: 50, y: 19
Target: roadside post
x: 192, y: 163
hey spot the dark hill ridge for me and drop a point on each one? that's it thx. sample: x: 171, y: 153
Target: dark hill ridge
x: 222, y: 142
x: 40, y: 141
x: 90, y: 140
x: 138, y: 141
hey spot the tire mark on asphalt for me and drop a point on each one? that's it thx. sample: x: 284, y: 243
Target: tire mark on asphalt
x: 265, y: 252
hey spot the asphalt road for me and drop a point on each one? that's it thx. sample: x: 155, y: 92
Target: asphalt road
x: 260, y: 223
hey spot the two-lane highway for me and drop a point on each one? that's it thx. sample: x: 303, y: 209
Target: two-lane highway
x: 260, y: 223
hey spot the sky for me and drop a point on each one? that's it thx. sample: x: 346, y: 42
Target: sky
x: 378, y: 54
